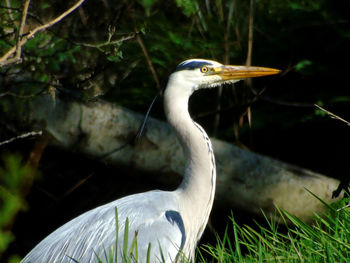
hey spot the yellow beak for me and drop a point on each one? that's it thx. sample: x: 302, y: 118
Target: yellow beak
x: 228, y: 72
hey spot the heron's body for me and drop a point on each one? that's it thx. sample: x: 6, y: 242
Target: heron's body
x: 172, y: 222
x: 94, y: 232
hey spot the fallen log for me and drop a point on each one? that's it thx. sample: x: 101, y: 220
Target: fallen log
x: 244, y: 179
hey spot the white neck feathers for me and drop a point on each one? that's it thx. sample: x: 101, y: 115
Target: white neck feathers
x: 197, y: 189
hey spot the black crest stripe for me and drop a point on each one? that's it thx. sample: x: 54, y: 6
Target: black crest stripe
x: 192, y: 65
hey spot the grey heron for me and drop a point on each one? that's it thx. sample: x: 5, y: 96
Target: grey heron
x: 171, y: 221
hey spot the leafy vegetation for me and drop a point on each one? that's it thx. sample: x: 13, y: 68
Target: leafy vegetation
x: 13, y: 182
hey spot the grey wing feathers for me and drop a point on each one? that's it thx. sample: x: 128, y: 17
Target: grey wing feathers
x: 153, y: 218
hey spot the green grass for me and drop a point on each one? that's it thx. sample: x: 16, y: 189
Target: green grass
x: 327, y: 239
x: 129, y: 252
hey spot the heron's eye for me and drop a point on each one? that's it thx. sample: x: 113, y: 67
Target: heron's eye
x: 204, y: 69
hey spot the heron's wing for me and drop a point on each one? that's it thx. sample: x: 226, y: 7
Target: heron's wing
x: 153, y: 218
x: 156, y: 222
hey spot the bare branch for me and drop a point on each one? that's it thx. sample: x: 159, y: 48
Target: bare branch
x: 109, y: 42
x: 21, y: 27
x: 248, y: 82
x: 148, y: 59
x: 348, y: 205
x: 333, y: 116
x: 226, y: 61
x: 250, y: 34
x: 9, y: 9
x: 4, y: 59
x: 258, y: 95
x: 22, y: 136
x: 12, y: 94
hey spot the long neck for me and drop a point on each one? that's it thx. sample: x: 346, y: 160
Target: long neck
x: 198, y: 186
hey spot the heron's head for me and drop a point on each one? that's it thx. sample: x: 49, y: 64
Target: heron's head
x: 194, y: 74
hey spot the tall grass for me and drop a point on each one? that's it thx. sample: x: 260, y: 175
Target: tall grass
x: 327, y: 239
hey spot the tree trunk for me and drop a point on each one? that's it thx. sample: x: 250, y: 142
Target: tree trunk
x: 245, y: 179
